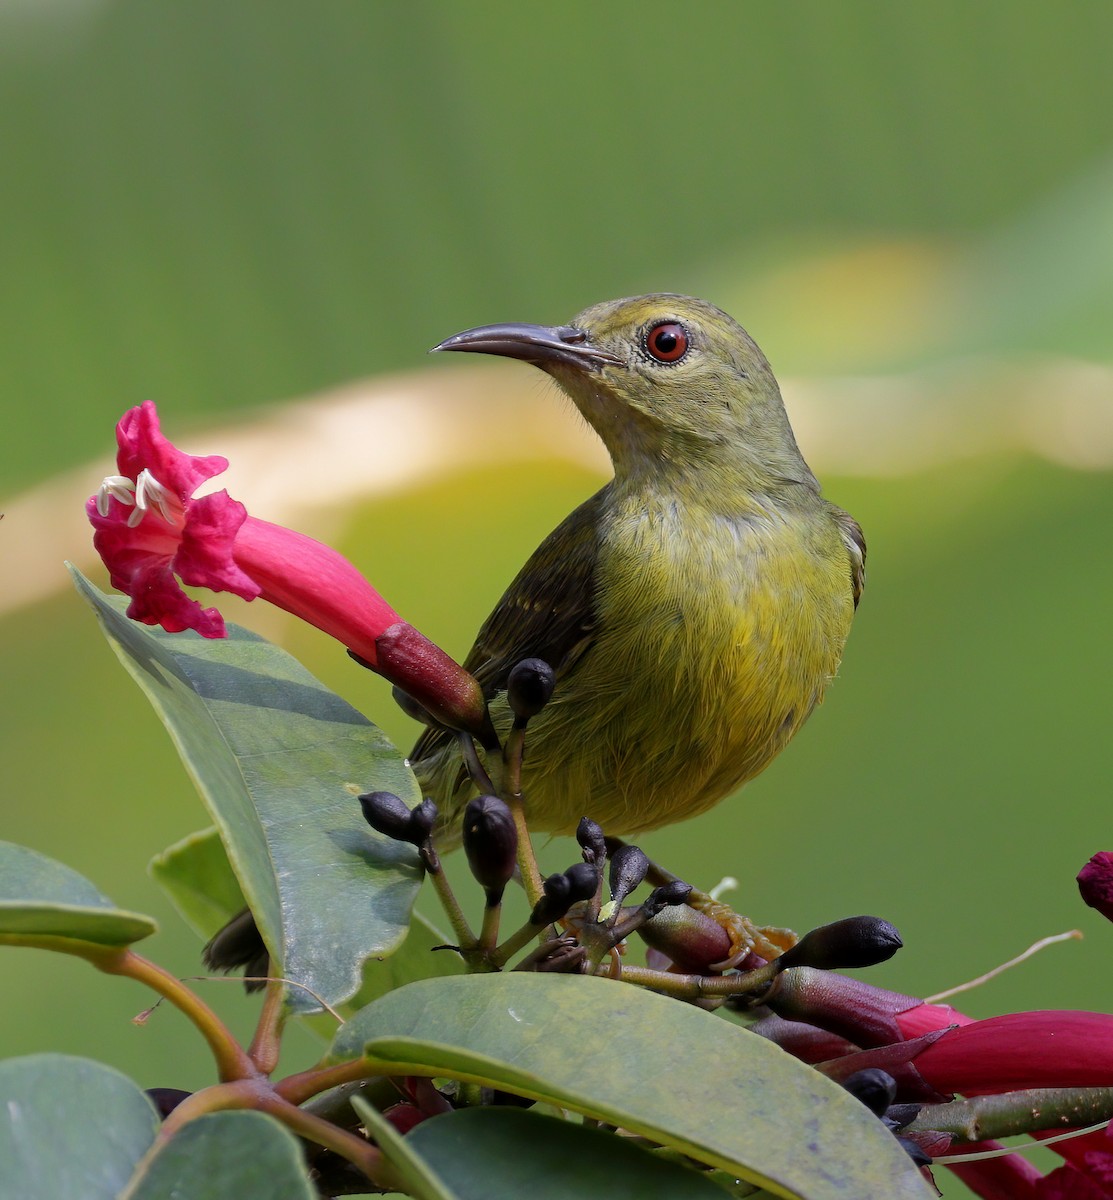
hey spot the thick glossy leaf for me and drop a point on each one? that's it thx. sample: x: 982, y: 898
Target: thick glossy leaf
x: 483, y: 1152
x: 196, y: 875
x: 277, y: 757
x: 647, y: 1063
x: 69, y: 1128
x: 225, y: 1156
x: 41, y: 901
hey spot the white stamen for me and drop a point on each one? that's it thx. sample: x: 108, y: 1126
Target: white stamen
x: 141, y: 495
x: 118, y: 487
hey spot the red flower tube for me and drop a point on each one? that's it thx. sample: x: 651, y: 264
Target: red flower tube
x: 151, y: 532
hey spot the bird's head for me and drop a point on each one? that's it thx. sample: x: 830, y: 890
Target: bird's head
x: 668, y: 382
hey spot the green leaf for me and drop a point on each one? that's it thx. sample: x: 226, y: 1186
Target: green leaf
x: 482, y: 1151
x: 42, y: 901
x: 420, y: 1178
x: 72, y: 1128
x: 197, y: 876
x: 706, y: 1087
x: 225, y: 1156
x: 278, y: 759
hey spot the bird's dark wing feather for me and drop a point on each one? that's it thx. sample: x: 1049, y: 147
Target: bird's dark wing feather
x: 548, y: 612
x: 856, y: 547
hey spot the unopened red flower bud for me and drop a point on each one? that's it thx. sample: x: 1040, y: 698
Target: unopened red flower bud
x: 808, y: 1043
x: 491, y: 844
x: 629, y: 867
x: 876, y: 1089
x: 166, y: 1100
x: 857, y: 1011
x: 1095, y: 883
x: 851, y: 942
x: 589, y: 834
x: 529, y: 688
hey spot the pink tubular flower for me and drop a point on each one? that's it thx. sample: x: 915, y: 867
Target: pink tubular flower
x: 1041, y: 1049
x: 151, y: 532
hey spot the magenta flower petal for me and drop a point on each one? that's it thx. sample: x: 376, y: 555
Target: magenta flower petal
x: 141, y: 446
x: 1095, y: 883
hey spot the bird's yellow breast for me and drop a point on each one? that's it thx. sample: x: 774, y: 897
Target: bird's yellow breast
x: 715, y: 638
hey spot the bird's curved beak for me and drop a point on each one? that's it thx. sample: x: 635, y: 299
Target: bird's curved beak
x: 538, y: 344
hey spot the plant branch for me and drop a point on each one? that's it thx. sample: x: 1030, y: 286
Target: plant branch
x: 267, y: 1042
x: 990, y: 1118
x: 232, y: 1060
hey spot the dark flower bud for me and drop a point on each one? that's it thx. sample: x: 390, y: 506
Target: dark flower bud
x: 388, y: 814
x: 897, y: 1116
x: 579, y: 882
x: 166, y: 1100
x: 590, y: 836
x: 665, y: 896
x: 583, y: 881
x: 851, y: 942
x: 422, y: 819
x: 529, y: 688
x: 555, y: 901
x: 491, y: 844
x: 875, y: 1088
x: 238, y: 944
x: 629, y: 867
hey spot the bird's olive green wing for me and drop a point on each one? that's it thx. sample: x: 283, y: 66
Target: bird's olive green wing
x: 548, y: 612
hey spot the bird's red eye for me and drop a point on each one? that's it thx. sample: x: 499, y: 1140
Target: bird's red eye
x: 667, y: 342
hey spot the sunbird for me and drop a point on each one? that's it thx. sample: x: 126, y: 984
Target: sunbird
x: 694, y: 609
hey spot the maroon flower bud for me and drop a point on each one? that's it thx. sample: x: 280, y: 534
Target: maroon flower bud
x: 491, y: 844
x: 851, y: 942
x: 590, y: 836
x: 629, y: 867
x: 808, y: 1043
x: 857, y: 1011
x: 529, y: 687
x: 1095, y: 883
x: 166, y: 1100
x: 688, y: 937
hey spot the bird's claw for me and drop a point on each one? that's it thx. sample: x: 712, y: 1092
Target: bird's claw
x: 766, y: 941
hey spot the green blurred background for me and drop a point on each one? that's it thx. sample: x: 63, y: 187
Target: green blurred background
x: 224, y: 206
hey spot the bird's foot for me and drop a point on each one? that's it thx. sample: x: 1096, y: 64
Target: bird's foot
x: 766, y: 941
